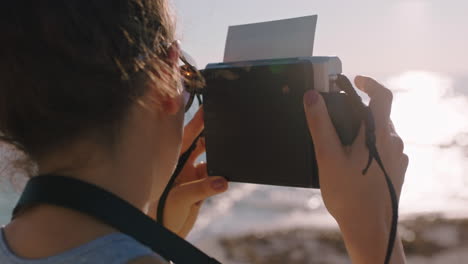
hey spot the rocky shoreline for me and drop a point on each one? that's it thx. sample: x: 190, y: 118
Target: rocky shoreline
x: 426, y: 238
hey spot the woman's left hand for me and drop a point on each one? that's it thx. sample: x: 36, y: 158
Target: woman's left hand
x: 192, y: 186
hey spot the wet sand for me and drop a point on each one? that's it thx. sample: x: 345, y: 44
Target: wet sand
x: 431, y: 239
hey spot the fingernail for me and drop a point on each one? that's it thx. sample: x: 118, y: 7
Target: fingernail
x: 360, y: 80
x: 218, y: 184
x: 311, y: 97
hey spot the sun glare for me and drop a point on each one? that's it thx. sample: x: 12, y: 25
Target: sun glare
x: 430, y: 117
x: 426, y: 110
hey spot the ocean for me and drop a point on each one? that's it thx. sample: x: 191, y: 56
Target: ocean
x: 430, y: 112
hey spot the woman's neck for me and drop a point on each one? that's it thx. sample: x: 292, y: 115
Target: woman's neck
x: 46, y: 230
x: 122, y: 172
x: 131, y: 170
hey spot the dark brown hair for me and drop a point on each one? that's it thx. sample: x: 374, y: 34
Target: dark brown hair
x: 74, y: 67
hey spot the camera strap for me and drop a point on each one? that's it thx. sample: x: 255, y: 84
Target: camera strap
x: 367, y: 117
x: 112, y: 210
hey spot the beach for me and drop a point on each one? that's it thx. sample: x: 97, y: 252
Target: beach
x: 430, y: 238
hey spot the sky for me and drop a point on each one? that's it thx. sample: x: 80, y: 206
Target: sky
x: 373, y: 37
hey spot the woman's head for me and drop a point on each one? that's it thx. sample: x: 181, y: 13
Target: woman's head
x: 72, y: 69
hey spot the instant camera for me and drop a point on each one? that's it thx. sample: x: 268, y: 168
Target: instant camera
x: 255, y: 124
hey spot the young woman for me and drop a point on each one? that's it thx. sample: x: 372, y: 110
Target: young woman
x: 91, y: 90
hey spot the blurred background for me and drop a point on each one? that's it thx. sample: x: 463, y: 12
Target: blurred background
x: 417, y: 48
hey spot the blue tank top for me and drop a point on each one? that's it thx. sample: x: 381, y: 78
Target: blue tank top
x: 116, y: 248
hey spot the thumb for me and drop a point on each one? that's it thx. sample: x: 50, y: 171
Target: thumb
x: 196, y: 191
x: 326, y: 142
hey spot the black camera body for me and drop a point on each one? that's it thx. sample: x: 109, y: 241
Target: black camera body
x: 255, y: 125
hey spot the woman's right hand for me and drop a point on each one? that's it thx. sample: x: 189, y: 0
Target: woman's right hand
x: 360, y: 203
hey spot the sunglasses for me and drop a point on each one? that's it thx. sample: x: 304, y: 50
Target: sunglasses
x: 192, y: 80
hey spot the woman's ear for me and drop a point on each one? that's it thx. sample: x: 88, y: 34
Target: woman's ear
x: 172, y: 105
x: 173, y: 53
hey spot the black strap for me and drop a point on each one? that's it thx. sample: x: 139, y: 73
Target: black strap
x: 369, y: 122
x: 374, y: 154
x: 112, y: 210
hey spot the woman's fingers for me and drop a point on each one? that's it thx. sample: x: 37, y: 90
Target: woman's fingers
x: 190, y: 221
x: 194, y: 192
x: 199, y: 149
x: 381, y: 100
x: 192, y: 130
x: 201, y: 171
x: 397, y: 144
x: 191, y: 172
x: 326, y: 142
x: 196, y: 172
x: 392, y: 127
x: 404, y: 163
